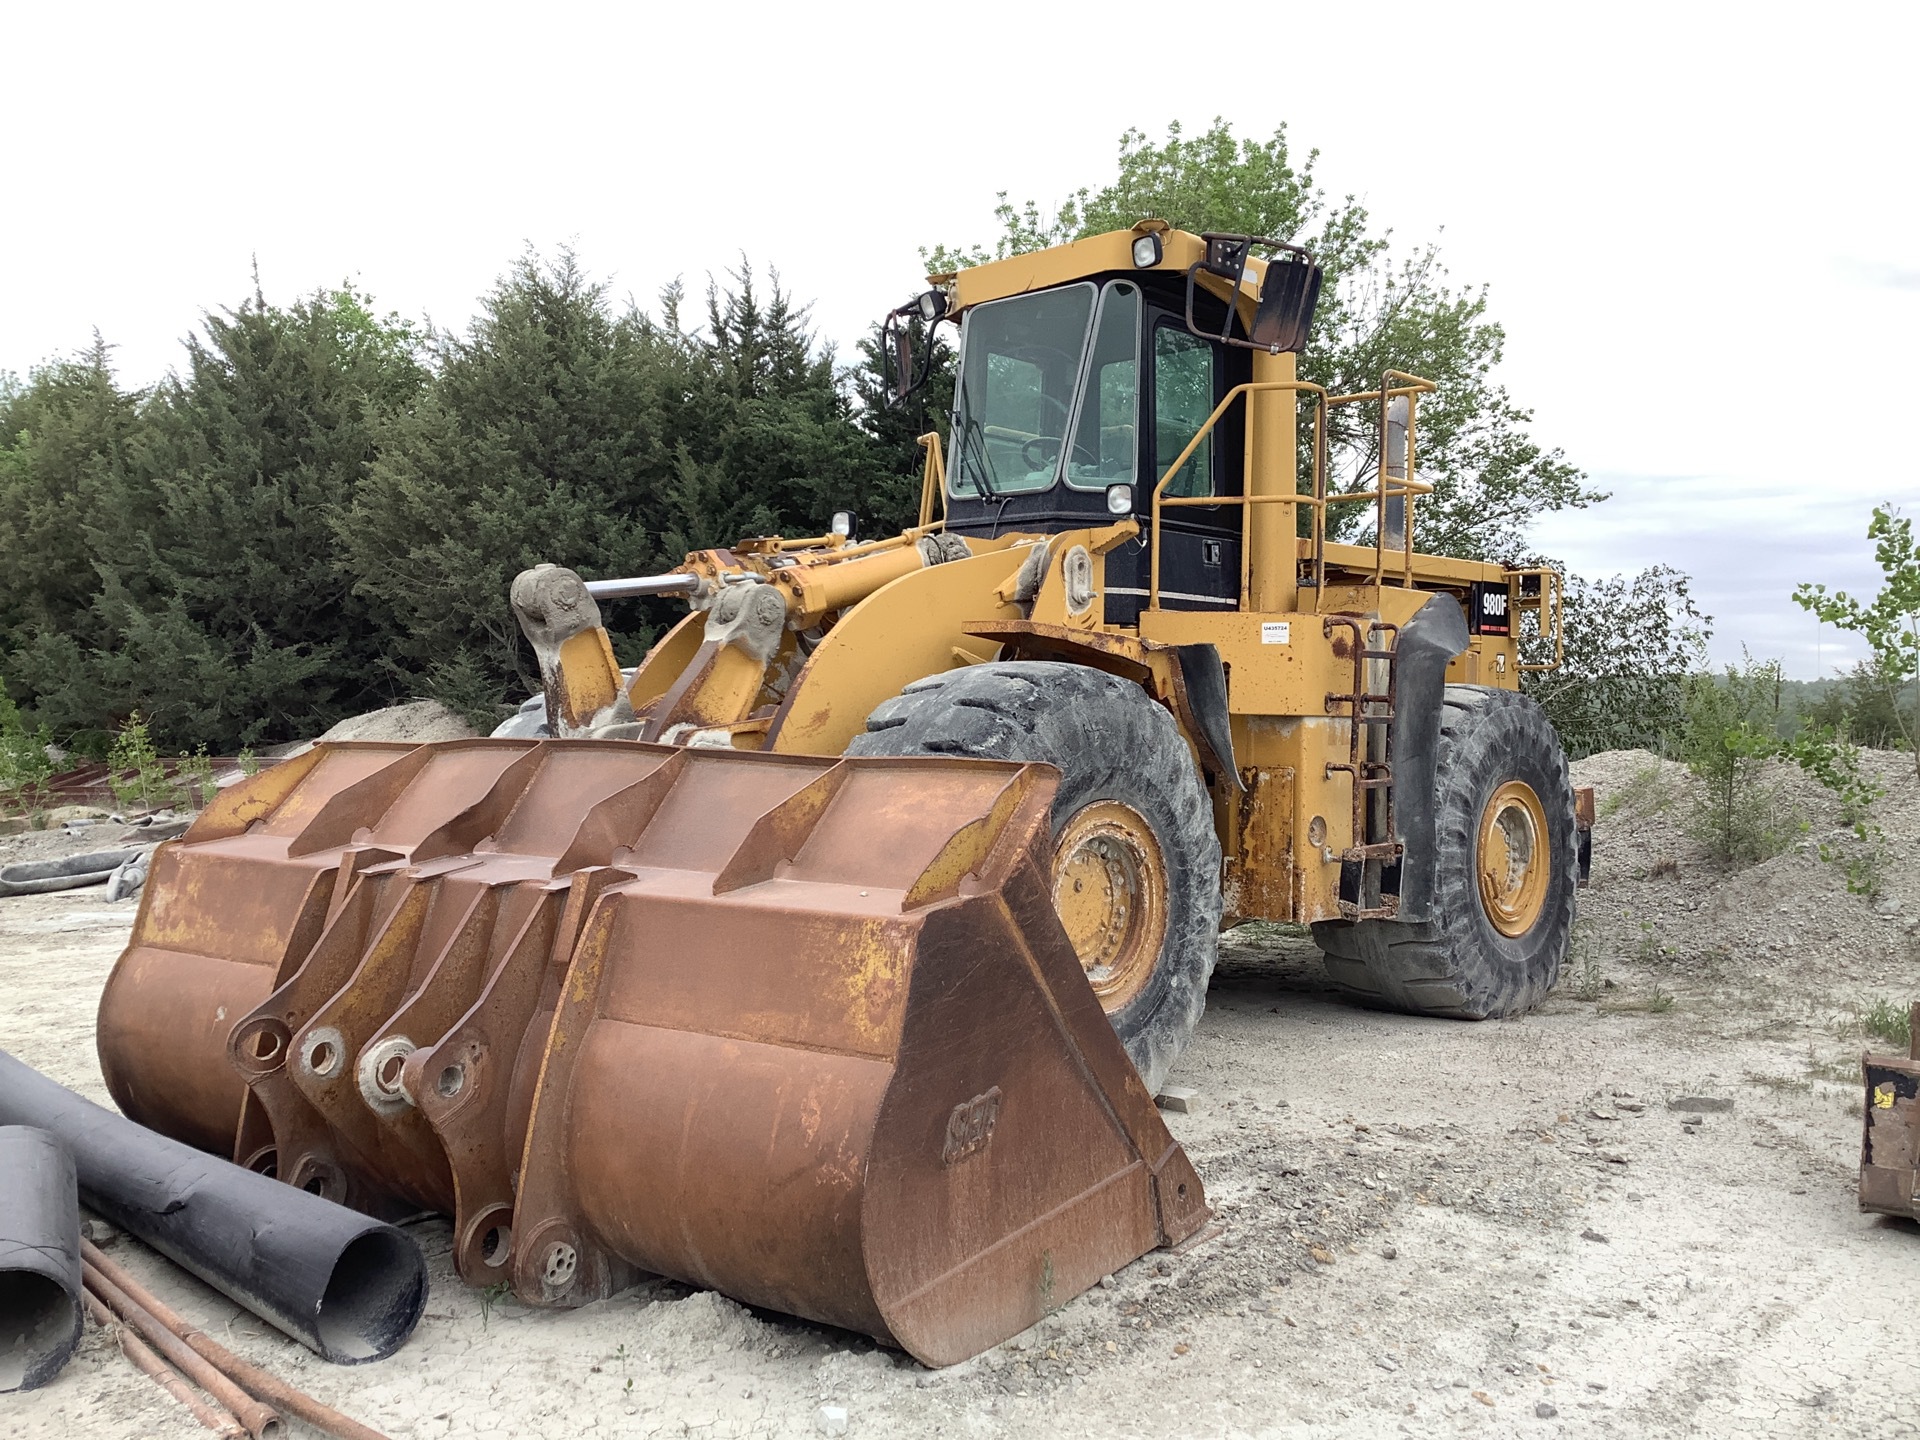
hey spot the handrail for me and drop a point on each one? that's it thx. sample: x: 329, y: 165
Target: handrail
x: 933, y: 478
x: 1553, y: 588
x: 1317, y: 500
x: 1407, y: 486
x: 1386, y: 486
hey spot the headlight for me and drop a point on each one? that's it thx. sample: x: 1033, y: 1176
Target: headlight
x: 1120, y: 497
x: 1146, y: 252
x: 843, y: 524
x: 933, y: 304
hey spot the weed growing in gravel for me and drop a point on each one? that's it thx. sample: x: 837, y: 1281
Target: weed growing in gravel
x: 1650, y: 950
x: 1584, y: 980
x: 1781, y: 1083
x: 1839, y: 1072
x: 1657, y: 1001
x: 1829, y: 757
x: 135, y: 771
x: 489, y: 1297
x: 1645, y: 792
x: 25, y: 765
x: 1888, y: 1020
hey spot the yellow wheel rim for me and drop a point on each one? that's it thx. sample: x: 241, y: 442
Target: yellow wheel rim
x: 1110, y: 887
x: 1515, y: 861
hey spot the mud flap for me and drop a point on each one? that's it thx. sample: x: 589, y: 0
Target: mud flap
x: 1436, y: 633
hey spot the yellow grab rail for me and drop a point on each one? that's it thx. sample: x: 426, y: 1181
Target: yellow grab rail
x: 1387, y: 486
x: 933, y: 478
x: 1550, y: 604
x: 1316, y: 500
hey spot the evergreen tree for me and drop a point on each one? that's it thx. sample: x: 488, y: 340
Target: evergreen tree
x: 546, y: 434
x: 216, y: 605
x: 771, y: 446
x: 64, y: 436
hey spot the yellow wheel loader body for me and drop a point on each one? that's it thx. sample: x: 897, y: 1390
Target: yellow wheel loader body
x: 678, y: 985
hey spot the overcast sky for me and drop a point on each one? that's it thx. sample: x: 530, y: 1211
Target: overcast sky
x: 1700, y: 223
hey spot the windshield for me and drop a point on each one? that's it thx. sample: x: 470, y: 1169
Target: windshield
x: 1019, y: 361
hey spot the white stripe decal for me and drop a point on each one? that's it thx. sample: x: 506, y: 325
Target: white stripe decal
x: 1173, y: 595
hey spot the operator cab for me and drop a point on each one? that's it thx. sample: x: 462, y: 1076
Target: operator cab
x: 1069, y: 405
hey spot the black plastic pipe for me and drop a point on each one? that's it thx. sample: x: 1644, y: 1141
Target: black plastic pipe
x: 39, y: 1257
x: 347, y: 1287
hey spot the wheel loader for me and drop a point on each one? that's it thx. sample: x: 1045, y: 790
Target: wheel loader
x: 833, y: 956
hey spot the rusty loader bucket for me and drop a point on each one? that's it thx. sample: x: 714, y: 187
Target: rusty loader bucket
x: 1890, y: 1147
x: 806, y: 1031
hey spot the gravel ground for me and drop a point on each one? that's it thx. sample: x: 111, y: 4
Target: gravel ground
x: 1428, y: 1228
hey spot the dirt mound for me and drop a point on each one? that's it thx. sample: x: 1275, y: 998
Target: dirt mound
x: 1660, y: 904
x: 416, y: 722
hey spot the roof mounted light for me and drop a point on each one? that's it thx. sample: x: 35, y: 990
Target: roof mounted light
x: 932, y: 305
x: 1146, y: 252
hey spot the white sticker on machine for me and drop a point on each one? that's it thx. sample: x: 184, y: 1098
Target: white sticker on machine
x: 1276, y: 632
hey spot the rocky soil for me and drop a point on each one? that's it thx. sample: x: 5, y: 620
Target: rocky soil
x: 1530, y: 1227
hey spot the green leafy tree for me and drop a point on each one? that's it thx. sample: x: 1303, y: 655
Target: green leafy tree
x: 1378, y: 309
x: 1633, y: 647
x: 1729, y: 735
x: 25, y: 764
x: 896, y: 428
x: 1865, y: 704
x: 1890, y: 622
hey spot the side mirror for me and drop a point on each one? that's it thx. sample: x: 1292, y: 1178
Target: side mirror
x: 1291, y: 289
x: 896, y: 343
x: 902, y: 363
x: 1287, y: 300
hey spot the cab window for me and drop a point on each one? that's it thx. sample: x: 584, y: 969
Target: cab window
x: 1105, y: 447
x: 1183, y: 397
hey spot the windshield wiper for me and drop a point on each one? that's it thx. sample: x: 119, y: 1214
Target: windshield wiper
x: 985, y: 480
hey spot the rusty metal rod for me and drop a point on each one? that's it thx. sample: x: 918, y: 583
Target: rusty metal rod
x: 261, y: 1421
x: 267, y: 1386
x: 209, y: 1413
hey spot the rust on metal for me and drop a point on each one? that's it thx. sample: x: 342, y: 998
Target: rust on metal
x: 1890, y: 1142
x: 1369, y: 714
x: 1260, y: 874
x: 805, y: 1030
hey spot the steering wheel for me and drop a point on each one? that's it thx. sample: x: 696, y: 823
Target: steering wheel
x: 1081, y: 454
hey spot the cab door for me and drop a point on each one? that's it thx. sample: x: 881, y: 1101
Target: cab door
x: 1185, y: 378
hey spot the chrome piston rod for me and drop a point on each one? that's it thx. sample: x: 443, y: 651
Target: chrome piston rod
x: 643, y: 585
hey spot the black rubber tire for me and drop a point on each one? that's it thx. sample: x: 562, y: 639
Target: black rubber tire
x: 1459, y: 964
x: 1110, y: 741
